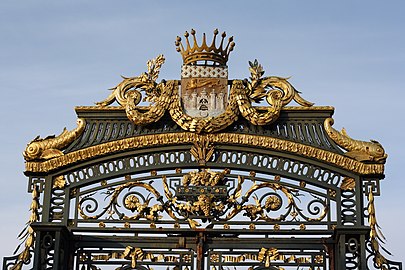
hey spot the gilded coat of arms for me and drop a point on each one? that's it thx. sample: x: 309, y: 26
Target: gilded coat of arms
x: 204, y: 75
x: 204, y: 100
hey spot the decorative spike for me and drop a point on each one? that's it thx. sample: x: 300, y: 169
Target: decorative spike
x: 204, y: 43
x: 195, y: 47
x: 214, y: 39
x: 187, y: 41
x: 227, y: 46
x: 220, y: 48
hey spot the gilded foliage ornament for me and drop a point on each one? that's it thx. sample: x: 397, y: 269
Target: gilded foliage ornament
x: 202, y: 103
x: 202, y: 195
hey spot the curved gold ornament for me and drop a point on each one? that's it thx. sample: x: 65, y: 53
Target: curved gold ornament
x: 143, y: 209
x: 376, y: 235
x: 28, y: 234
x: 167, y: 139
x: 51, y: 146
x: 157, y: 110
x: 202, y: 150
x: 146, y: 82
x: 359, y: 150
x: 165, y: 96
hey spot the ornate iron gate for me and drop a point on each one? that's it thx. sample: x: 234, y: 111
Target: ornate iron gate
x: 203, y: 179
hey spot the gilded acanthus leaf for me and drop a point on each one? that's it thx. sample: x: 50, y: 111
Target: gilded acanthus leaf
x: 202, y: 150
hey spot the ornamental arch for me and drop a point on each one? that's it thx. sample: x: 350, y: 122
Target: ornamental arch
x: 226, y: 185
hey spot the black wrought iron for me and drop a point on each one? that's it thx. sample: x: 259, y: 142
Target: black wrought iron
x: 238, y: 205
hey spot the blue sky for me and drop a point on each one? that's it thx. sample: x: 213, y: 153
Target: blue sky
x: 55, y: 55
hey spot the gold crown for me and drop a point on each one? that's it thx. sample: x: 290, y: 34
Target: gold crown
x: 204, y: 52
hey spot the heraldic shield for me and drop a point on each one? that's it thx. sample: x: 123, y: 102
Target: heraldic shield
x: 204, y: 76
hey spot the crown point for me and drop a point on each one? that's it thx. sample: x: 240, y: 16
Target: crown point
x: 178, y: 49
x: 224, y: 34
x: 231, y: 46
x: 216, y: 31
x: 193, y: 32
x: 231, y: 39
x: 178, y: 38
x: 186, y: 34
x: 177, y: 43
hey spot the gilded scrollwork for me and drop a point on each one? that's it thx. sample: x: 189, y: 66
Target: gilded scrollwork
x: 51, y: 146
x: 204, y: 195
x: 164, y: 97
x: 257, y: 88
x: 145, y: 82
x: 133, y: 201
x: 161, y: 103
x: 359, y: 150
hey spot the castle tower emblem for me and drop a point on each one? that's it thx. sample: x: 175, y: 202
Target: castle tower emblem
x: 204, y: 75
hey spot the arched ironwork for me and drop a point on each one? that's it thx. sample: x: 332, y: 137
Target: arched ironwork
x: 165, y: 186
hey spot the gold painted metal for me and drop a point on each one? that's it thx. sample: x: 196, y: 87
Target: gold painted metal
x: 165, y: 96
x: 145, y: 82
x: 362, y: 151
x: 135, y: 255
x: 217, y: 138
x: 132, y: 202
x: 192, y: 54
x: 143, y: 108
x: 266, y: 255
x: 348, y: 183
x: 28, y: 234
x: 204, y: 178
x: 59, y: 182
x: 376, y: 235
x: 206, y: 201
x: 202, y: 150
x: 51, y: 146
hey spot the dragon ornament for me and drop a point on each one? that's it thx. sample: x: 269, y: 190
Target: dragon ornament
x: 359, y: 150
x: 51, y: 146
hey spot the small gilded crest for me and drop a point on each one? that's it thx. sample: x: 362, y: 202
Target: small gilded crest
x: 204, y: 75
